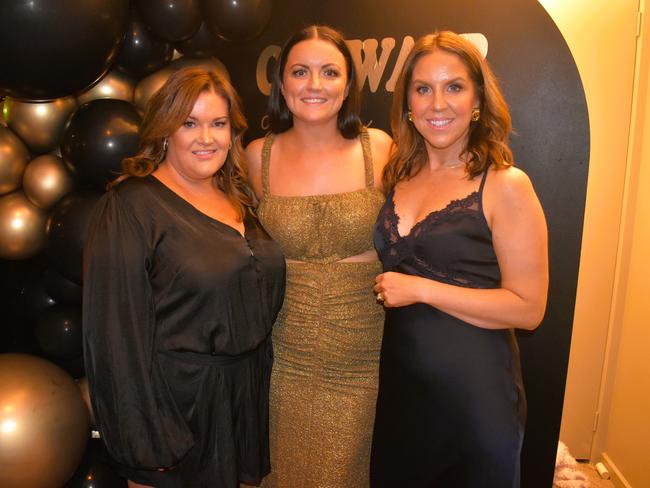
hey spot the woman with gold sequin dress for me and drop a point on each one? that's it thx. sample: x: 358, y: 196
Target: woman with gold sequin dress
x: 318, y: 175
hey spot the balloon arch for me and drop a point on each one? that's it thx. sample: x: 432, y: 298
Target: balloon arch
x: 73, y: 91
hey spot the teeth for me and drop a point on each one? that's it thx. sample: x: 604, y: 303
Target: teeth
x: 313, y: 100
x: 440, y: 123
x: 210, y: 151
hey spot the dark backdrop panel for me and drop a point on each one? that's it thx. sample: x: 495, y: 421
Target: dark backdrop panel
x: 543, y: 88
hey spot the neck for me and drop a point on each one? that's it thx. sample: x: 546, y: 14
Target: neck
x: 184, y: 185
x: 315, y: 135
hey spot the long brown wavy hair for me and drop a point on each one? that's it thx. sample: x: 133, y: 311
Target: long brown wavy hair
x: 488, y: 137
x: 169, y: 108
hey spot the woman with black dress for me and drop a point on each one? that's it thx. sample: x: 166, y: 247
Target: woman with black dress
x: 462, y: 239
x: 181, y: 288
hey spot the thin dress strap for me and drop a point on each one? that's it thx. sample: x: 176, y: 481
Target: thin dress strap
x: 266, y: 158
x: 480, y: 188
x: 367, y: 157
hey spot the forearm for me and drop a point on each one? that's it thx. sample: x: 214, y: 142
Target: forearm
x: 498, y: 308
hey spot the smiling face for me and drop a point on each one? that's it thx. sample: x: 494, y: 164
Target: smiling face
x: 441, y: 97
x: 198, y: 148
x: 314, y: 82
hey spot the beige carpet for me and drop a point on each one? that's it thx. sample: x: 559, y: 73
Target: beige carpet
x: 595, y: 480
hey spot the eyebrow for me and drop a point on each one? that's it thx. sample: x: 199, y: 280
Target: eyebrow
x: 453, y: 80
x: 303, y: 65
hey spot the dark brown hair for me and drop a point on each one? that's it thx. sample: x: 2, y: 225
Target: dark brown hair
x: 488, y: 137
x: 280, y: 117
x: 169, y: 108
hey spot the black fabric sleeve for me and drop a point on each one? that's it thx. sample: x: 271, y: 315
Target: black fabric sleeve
x: 136, y: 414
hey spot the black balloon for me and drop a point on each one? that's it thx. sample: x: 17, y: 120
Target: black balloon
x: 60, y: 288
x: 33, y: 299
x: 143, y: 52
x: 94, y: 470
x: 58, y: 332
x: 100, y: 134
x: 202, y: 45
x: 53, y: 48
x: 67, y: 228
x: 237, y: 21
x: 173, y: 20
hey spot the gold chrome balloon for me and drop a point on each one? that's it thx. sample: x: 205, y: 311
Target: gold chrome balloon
x: 150, y: 85
x: 22, y: 228
x: 46, y: 180
x: 39, y: 124
x: 115, y: 85
x: 13, y: 159
x: 44, y: 423
x: 210, y: 64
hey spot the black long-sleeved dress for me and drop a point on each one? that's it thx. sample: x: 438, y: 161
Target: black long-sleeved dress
x: 177, y: 315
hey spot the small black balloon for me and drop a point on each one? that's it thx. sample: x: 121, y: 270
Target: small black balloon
x: 237, y: 21
x: 173, y: 20
x: 202, y: 45
x: 67, y: 228
x: 143, y: 52
x: 99, y: 135
x: 53, y: 48
x: 60, y: 288
x: 33, y: 299
x: 58, y: 332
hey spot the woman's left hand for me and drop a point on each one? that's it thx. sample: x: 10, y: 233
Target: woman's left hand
x: 397, y: 289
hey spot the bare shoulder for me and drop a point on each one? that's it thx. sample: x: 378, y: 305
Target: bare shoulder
x: 509, y: 196
x: 509, y: 184
x: 381, y: 145
x: 254, y: 161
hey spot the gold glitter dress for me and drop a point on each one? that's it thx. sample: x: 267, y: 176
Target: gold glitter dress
x: 327, y: 336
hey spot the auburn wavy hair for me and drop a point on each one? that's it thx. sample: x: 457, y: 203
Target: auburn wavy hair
x: 169, y: 108
x: 488, y: 137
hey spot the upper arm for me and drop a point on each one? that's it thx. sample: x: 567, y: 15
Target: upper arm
x: 254, y: 160
x: 381, y: 145
x: 519, y: 236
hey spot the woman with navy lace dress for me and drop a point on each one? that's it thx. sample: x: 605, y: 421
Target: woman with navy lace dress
x: 462, y: 239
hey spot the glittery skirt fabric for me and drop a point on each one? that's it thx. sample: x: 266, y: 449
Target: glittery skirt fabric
x: 324, y: 381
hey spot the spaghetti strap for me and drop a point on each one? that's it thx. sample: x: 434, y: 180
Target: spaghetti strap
x: 367, y: 157
x: 266, y: 158
x: 480, y: 189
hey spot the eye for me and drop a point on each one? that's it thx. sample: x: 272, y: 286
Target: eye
x: 331, y: 73
x: 422, y: 89
x: 220, y: 123
x: 189, y: 124
x: 455, y: 87
x: 298, y: 72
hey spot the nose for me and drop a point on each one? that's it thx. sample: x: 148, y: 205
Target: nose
x: 206, y: 137
x: 439, y: 101
x: 315, y: 81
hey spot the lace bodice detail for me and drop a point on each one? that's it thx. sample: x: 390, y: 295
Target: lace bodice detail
x: 452, y: 245
x: 321, y: 228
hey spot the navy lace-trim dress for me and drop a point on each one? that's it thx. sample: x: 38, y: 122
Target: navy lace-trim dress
x: 451, y: 405
x: 177, y: 317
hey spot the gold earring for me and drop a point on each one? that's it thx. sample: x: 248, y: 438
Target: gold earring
x: 410, y: 116
x: 476, y: 114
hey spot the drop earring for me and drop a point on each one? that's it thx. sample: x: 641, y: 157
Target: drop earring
x: 476, y: 114
x: 409, y: 115
x: 165, y: 145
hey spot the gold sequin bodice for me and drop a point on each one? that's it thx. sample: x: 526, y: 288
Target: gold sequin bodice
x: 321, y: 228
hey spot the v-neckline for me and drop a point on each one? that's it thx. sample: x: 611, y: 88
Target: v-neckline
x: 428, y: 216
x: 204, y: 215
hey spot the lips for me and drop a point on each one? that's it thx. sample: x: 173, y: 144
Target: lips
x: 439, y: 123
x: 204, y: 153
x: 313, y: 100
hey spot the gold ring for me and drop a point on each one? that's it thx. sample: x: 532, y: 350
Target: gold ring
x: 379, y: 298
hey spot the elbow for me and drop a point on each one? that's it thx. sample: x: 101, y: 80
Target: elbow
x: 533, y: 317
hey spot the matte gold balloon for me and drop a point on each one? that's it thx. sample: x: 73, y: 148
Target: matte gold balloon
x: 210, y: 64
x: 115, y: 85
x: 13, y: 160
x: 22, y: 227
x: 150, y: 85
x: 82, y: 384
x: 39, y: 124
x: 44, y: 423
x: 46, y: 180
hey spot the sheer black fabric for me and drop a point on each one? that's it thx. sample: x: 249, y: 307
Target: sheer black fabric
x: 177, y: 314
x: 451, y: 407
